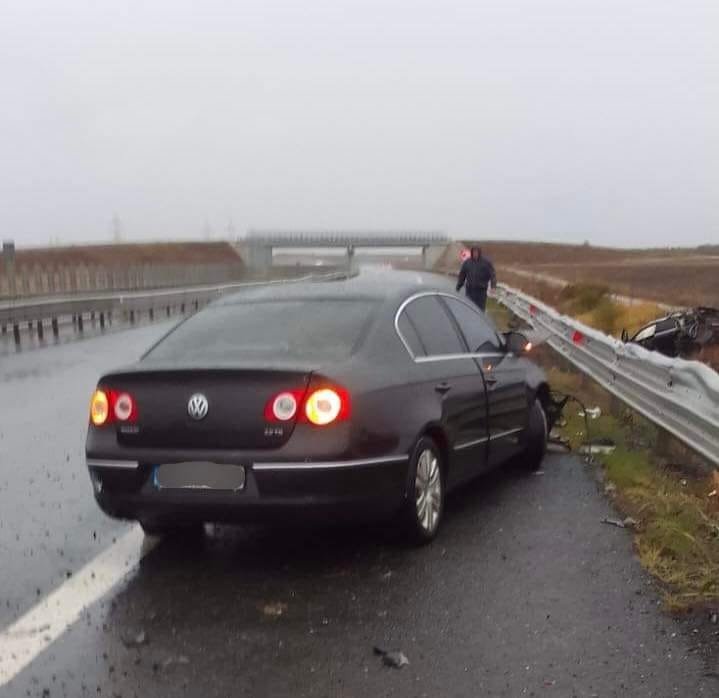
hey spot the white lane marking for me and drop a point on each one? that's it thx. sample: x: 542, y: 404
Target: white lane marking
x: 45, y: 622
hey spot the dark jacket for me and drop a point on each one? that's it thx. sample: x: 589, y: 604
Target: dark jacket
x: 476, y: 273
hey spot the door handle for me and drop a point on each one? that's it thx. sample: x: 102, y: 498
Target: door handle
x: 490, y: 381
x: 443, y: 388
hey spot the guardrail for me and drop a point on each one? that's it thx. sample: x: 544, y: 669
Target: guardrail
x: 36, y: 312
x: 677, y: 395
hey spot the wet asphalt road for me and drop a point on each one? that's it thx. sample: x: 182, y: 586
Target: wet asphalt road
x: 524, y: 593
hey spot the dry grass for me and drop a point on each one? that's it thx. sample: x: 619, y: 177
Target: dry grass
x: 123, y: 254
x: 590, y: 304
x: 678, y: 276
x: 611, y: 317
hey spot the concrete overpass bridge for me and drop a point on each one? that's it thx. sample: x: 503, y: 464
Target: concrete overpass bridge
x: 258, y: 246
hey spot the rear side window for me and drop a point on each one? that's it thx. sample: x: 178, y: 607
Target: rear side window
x: 434, y: 327
x: 311, y: 329
x: 479, y: 334
x: 410, y: 336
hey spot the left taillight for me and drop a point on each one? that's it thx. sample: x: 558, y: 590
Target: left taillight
x: 99, y: 408
x: 108, y: 406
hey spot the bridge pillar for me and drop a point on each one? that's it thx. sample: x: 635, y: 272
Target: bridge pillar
x: 258, y: 255
x: 431, y: 255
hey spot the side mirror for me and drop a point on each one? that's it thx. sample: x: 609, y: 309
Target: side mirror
x: 516, y: 343
x: 625, y: 336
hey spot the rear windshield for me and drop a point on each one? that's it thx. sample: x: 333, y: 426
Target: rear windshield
x: 310, y: 329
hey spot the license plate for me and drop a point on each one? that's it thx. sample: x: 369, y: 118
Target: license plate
x: 199, y: 475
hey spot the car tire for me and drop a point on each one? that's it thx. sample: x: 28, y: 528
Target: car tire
x: 424, y: 506
x: 537, y: 434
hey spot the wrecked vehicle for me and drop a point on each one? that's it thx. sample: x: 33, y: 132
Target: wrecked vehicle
x: 683, y: 333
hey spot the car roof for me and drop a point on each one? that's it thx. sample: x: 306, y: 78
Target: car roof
x: 374, y: 284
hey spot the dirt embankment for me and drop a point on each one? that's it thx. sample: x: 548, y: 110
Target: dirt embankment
x: 674, y: 276
x: 126, y: 254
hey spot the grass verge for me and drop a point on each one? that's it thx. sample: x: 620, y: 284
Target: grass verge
x: 650, y: 479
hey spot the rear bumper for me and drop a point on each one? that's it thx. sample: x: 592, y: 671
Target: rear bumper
x: 279, y: 492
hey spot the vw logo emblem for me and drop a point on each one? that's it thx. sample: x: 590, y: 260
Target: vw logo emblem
x: 197, y: 406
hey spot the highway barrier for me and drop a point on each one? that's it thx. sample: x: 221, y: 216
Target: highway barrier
x: 128, y: 306
x: 679, y: 396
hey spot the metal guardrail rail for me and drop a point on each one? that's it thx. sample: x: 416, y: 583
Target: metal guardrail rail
x: 679, y: 396
x: 38, y: 310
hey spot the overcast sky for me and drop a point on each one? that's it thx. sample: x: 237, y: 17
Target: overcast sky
x: 561, y: 120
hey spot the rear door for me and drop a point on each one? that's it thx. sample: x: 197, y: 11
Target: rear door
x: 455, y: 380
x: 504, y: 376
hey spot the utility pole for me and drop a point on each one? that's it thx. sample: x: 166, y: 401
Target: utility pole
x: 207, y: 230
x: 231, y: 229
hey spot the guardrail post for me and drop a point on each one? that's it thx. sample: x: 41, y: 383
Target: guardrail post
x: 80, y: 327
x: 168, y: 310
x: 55, y: 328
x: 182, y: 308
x: 102, y: 321
x: 151, y: 313
x: 16, y: 333
x: 40, y: 330
x: 197, y: 305
x: 132, y: 317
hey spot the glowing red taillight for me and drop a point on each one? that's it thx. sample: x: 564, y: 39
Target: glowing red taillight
x: 124, y: 407
x: 323, y: 406
x: 99, y: 408
x: 108, y: 406
x: 284, y: 407
x: 319, y: 405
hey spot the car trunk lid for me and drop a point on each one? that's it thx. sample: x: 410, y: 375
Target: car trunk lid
x: 235, y: 403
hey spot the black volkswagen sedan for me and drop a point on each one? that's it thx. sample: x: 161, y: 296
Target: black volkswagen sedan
x: 371, y: 396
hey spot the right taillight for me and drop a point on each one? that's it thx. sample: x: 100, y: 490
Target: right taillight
x: 323, y: 406
x: 319, y: 406
x: 284, y: 407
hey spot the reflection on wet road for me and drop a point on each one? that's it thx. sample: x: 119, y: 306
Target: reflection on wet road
x: 524, y: 593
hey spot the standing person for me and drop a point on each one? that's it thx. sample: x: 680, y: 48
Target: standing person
x: 478, y: 273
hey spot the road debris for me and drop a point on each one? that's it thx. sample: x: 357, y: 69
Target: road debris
x: 134, y: 639
x: 274, y: 609
x: 629, y: 522
x: 601, y: 444
x: 613, y: 522
x: 395, y: 659
x: 179, y: 659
